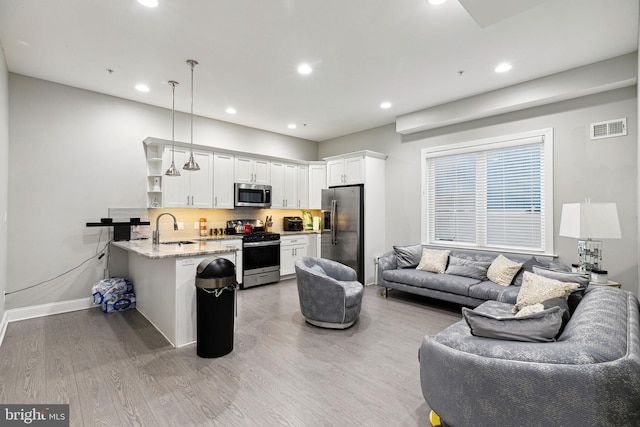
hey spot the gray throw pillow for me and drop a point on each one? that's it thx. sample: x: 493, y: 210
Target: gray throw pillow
x: 408, y: 256
x: 527, y: 266
x: 543, y: 326
x: 468, y: 268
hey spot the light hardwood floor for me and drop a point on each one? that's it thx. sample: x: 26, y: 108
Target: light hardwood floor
x: 117, y: 370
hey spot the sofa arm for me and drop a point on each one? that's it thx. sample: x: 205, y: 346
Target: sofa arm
x: 387, y: 261
x: 465, y: 389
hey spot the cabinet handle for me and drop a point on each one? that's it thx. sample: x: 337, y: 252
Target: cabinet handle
x: 215, y: 201
x: 187, y: 200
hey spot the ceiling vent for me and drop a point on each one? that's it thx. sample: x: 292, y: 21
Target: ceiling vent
x: 609, y: 129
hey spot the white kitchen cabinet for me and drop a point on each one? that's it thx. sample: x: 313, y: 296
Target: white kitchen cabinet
x: 317, y: 183
x: 292, y: 248
x: 314, y: 245
x: 237, y: 245
x: 290, y: 183
x: 345, y: 171
x: 252, y: 171
x: 303, y: 186
x: 223, y: 196
x: 192, y: 189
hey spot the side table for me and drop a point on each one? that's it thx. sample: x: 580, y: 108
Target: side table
x: 609, y: 283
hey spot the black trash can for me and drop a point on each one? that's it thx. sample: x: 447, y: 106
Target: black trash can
x: 215, y: 299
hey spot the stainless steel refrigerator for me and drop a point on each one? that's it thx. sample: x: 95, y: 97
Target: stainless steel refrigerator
x: 342, y: 236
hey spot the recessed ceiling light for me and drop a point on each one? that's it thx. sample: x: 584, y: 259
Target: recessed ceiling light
x: 231, y: 110
x: 141, y: 87
x: 149, y: 3
x: 436, y: 2
x: 385, y: 105
x: 305, y: 69
x: 503, y: 68
x: 292, y: 126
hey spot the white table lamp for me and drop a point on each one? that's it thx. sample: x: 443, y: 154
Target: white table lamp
x: 587, y: 221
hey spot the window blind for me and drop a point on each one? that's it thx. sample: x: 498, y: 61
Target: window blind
x: 488, y: 197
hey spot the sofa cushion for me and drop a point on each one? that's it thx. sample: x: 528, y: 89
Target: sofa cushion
x: 502, y: 270
x: 408, y: 256
x: 425, y: 279
x: 468, y: 268
x: 537, y: 288
x: 433, y: 260
x: 487, y: 290
x: 542, y: 326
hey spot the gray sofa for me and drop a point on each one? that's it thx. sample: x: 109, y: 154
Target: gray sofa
x: 590, y: 376
x: 451, y: 287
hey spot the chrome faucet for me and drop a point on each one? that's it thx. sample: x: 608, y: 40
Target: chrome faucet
x: 156, y: 232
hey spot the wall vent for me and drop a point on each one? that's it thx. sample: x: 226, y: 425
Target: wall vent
x: 609, y: 129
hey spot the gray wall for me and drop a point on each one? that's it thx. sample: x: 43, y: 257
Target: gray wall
x: 604, y: 170
x: 74, y: 154
x: 4, y: 177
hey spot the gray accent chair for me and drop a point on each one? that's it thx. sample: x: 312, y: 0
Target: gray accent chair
x: 330, y: 296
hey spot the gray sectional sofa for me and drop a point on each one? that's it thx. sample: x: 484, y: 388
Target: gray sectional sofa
x: 589, y: 376
x: 397, y: 270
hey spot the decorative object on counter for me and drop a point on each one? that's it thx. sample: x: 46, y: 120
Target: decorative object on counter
x: 600, y: 277
x: 307, y: 222
x: 587, y: 221
x: 316, y: 223
x: 121, y: 230
x: 203, y: 227
x: 268, y: 223
x: 191, y: 164
x: 173, y: 171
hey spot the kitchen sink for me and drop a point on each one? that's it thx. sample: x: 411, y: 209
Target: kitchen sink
x: 180, y: 242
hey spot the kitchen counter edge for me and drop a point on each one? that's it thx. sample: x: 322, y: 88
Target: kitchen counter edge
x: 146, y: 249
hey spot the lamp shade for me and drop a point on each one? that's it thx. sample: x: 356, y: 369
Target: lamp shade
x: 590, y: 221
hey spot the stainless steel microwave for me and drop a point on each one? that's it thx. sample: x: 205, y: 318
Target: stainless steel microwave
x: 255, y: 195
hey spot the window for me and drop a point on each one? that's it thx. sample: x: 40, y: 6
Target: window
x: 490, y: 194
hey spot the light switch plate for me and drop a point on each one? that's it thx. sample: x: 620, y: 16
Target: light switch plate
x: 196, y: 225
x: 180, y: 225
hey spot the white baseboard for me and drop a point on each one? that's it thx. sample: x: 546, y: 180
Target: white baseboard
x: 24, y: 313
x: 3, y: 325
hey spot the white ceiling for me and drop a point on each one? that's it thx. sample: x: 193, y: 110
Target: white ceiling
x: 407, y: 52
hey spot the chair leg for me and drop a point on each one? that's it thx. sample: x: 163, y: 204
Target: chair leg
x: 434, y: 419
x: 384, y: 292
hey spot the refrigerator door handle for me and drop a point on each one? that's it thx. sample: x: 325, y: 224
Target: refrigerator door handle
x: 334, y: 232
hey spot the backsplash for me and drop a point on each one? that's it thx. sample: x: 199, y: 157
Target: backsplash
x: 216, y: 218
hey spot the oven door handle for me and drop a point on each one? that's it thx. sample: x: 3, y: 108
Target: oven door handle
x: 256, y: 244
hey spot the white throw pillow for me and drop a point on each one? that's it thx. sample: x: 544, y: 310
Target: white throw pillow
x: 536, y: 289
x: 433, y: 260
x: 502, y: 270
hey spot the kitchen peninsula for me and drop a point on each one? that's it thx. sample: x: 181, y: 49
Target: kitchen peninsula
x: 163, y: 278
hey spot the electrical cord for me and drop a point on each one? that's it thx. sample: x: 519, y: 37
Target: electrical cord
x: 98, y: 254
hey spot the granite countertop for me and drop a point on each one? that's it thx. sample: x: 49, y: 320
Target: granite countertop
x: 292, y: 233
x: 200, y: 247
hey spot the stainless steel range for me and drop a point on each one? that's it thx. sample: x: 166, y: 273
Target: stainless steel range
x: 260, y: 252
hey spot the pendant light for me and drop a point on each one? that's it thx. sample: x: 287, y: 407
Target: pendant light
x: 173, y: 171
x: 191, y: 165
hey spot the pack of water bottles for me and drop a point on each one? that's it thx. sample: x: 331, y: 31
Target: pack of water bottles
x: 114, y: 294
